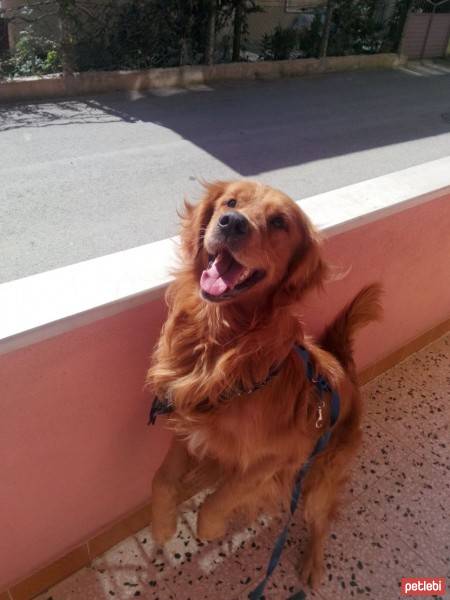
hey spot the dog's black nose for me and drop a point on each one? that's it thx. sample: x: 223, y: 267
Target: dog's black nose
x: 233, y: 224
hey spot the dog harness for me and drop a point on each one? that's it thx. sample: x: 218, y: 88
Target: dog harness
x: 165, y: 406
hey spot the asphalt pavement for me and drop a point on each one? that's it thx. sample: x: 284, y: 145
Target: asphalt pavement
x: 84, y: 177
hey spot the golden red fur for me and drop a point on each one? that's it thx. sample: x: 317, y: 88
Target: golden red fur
x: 248, y: 255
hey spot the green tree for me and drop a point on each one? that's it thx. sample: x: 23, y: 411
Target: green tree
x: 279, y: 44
x: 397, y: 22
x: 107, y: 34
x: 211, y: 32
x: 355, y: 28
x: 66, y: 13
x: 241, y: 10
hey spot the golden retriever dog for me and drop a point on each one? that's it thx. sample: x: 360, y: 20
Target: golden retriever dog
x: 245, y: 416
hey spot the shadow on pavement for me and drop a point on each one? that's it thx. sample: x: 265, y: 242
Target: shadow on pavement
x: 261, y: 126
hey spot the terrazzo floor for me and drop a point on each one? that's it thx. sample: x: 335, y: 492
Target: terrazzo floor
x: 394, y: 522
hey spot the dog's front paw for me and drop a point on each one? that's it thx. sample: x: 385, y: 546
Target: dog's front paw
x: 163, y: 530
x: 210, y: 527
x: 312, y: 571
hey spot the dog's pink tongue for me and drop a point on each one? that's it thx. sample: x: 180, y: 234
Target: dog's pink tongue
x: 222, y: 274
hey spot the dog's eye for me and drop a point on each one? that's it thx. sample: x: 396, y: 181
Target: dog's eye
x: 231, y: 202
x: 278, y: 222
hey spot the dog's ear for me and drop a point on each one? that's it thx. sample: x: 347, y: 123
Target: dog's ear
x: 307, y: 268
x: 195, y: 219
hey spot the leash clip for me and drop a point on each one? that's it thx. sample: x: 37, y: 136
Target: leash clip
x: 320, y: 419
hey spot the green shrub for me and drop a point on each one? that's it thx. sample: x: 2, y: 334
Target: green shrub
x: 310, y: 37
x: 279, y: 44
x: 145, y: 33
x: 33, y: 55
x: 143, y: 37
x: 355, y: 28
x: 135, y: 34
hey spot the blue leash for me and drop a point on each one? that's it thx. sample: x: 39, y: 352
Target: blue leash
x: 322, y: 386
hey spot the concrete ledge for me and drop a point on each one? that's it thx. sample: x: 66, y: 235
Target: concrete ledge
x: 97, y: 82
x: 78, y: 294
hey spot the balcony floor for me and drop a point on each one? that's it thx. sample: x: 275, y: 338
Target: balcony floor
x: 393, y: 523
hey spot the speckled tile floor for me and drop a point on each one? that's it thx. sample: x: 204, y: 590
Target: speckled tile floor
x: 394, y: 523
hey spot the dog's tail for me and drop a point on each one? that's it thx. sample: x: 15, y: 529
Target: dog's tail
x: 364, y: 308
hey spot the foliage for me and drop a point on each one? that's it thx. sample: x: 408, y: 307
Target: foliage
x: 280, y: 44
x: 34, y: 55
x: 155, y: 33
x: 240, y: 24
x: 135, y: 34
x: 46, y: 43
x: 134, y: 39
x: 146, y: 33
x: 162, y: 33
x: 396, y: 25
x: 310, y: 37
x: 356, y: 28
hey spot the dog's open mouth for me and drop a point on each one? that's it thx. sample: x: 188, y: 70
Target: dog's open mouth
x: 225, y: 277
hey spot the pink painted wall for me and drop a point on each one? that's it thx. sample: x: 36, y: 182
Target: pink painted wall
x: 409, y: 253
x: 75, y: 451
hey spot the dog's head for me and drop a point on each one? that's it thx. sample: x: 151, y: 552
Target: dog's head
x: 247, y: 241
